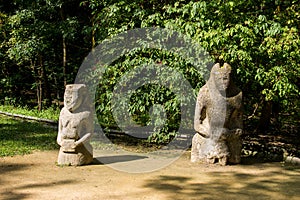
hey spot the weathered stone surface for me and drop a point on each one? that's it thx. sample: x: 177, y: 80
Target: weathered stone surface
x: 75, y: 127
x: 218, y: 119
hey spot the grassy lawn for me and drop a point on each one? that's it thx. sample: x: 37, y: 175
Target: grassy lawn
x: 50, y: 113
x: 18, y: 137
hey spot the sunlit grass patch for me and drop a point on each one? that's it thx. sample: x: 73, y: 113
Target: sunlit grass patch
x: 50, y: 113
x: 18, y: 137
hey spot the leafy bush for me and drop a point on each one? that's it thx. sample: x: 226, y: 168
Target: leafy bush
x: 259, y: 39
x: 147, y: 78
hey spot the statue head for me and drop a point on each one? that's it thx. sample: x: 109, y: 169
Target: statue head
x: 74, y: 97
x: 222, y: 77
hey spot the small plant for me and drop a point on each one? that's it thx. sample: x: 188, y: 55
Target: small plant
x: 161, y: 137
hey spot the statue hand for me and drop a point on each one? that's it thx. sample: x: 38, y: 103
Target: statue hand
x: 68, y: 145
x: 74, y: 145
x: 83, y: 139
x: 197, y: 128
x: 202, y: 130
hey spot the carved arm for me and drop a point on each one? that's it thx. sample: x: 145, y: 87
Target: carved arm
x: 83, y: 139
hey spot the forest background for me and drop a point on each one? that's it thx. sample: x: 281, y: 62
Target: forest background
x: 44, y: 42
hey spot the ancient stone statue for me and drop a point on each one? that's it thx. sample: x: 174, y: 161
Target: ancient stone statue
x: 218, y: 119
x: 75, y: 127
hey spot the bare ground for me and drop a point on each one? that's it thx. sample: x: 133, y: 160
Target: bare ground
x: 36, y: 176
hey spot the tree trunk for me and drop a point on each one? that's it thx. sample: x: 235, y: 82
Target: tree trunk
x: 64, y: 60
x: 38, y: 84
x: 40, y: 92
x: 93, y: 33
x: 64, y: 45
x: 46, y: 92
x: 265, y: 118
x: 269, y: 114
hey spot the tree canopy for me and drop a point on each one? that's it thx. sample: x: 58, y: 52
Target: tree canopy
x: 44, y: 42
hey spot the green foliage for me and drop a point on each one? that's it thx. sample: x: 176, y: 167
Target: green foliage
x: 20, y: 137
x: 34, y: 35
x: 51, y: 113
x: 249, y: 36
x: 260, y: 39
x: 127, y: 72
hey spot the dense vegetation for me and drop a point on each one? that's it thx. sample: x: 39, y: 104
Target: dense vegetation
x: 43, y: 43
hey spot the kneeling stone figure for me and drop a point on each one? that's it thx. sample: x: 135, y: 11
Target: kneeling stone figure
x: 218, y: 119
x: 75, y: 127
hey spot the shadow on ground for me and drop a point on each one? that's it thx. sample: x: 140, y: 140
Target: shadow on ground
x: 13, y: 192
x: 115, y: 159
x: 230, y: 185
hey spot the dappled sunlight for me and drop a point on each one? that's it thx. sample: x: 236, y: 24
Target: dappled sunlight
x: 35, y: 176
x: 263, y: 181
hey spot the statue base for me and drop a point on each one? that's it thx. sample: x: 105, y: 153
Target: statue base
x: 80, y: 156
x: 222, y: 151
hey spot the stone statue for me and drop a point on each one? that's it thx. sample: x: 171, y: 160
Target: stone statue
x: 218, y: 119
x: 75, y: 127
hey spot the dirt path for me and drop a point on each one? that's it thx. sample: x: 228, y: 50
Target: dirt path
x: 36, y: 176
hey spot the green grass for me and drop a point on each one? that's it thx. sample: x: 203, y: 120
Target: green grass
x: 50, y: 113
x: 19, y: 137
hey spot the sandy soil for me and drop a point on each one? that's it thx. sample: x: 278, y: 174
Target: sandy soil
x: 36, y: 176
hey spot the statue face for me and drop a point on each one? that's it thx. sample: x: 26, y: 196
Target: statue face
x: 222, y: 80
x: 71, y: 99
x: 221, y: 77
